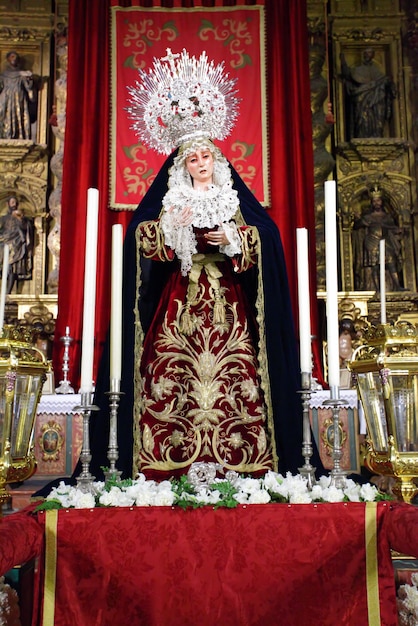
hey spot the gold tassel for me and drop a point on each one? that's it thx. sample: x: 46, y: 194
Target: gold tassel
x: 219, y: 312
x: 186, y: 323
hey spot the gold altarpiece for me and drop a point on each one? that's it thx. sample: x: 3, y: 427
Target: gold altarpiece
x: 366, y: 165
x: 30, y: 169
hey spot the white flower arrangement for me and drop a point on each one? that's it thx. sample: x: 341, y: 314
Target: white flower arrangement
x: 9, y: 605
x: 407, y: 603
x: 187, y: 491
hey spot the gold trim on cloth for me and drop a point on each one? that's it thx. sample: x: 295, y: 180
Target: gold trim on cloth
x: 51, y: 524
x: 372, y: 573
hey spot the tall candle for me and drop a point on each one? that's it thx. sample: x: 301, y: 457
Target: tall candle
x: 304, y: 300
x: 116, y: 307
x: 4, y: 283
x: 89, y: 308
x: 331, y: 273
x: 382, y: 282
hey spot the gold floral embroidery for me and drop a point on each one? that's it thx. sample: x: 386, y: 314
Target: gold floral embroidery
x: 211, y: 424
x: 221, y: 440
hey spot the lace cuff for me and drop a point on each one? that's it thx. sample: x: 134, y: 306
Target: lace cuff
x: 234, y: 246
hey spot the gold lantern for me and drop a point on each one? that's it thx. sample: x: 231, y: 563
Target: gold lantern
x: 22, y: 374
x: 386, y: 374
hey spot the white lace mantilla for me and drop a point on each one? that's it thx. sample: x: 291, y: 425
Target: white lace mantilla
x: 212, y: 208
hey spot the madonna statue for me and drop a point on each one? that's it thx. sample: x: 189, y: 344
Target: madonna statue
x: 210, y: 365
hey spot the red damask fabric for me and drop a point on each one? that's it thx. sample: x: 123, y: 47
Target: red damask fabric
x: 401, y: 528
x: 259, y: 565
x: 21, y: 539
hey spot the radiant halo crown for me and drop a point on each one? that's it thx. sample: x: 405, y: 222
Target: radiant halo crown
x: 182, y: 98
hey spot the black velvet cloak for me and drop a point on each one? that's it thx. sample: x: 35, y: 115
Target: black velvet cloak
x: 281, y: 346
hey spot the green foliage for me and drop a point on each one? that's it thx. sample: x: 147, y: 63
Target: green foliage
x: 277, y: 497
x: 114, y: 481
x: 187, y: 497
x: 49, y: 505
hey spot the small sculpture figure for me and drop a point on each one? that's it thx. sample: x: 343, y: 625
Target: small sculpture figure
x: 17, y: 100
x: 370, y: 94
x: 374, y: 225
x: 17, y: 231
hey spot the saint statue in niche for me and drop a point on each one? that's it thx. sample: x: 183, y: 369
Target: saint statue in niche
x: 17, y: 231
x: 17, y: 100
x: 372, y: 226
x: 370, y: 95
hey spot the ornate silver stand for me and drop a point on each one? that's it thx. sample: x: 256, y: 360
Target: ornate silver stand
x: 65, y: 385
x: 338, y: 475
x: 113, y: 451
x: 307, y: 470
x: 85, y: 479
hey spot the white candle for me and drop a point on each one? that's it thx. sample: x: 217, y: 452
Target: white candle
x: 4, y: 283
x: 67, y: 331
x: 87, y: 350
x: 332, y: 283
x: 382, y: 282
x: 304, y: 300
x: 116, y: 308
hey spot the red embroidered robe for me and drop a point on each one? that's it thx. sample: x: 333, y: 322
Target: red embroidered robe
x: 201, y: 394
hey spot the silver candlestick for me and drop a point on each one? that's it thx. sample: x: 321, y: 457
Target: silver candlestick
x: 113, y: 450
x: 307, y: 470
x: 338, y: 475
x: 85, y: 479
x: 65, y: 385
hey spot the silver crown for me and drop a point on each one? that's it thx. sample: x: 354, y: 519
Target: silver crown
x: 181, y: 98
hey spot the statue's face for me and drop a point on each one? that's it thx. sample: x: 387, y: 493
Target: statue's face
x: 13, y: 59
x: 200, y: 166
x: 12, y: 203
x: 368, y: 55
x: 377, y: 204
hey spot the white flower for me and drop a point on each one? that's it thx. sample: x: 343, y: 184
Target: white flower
x: 272, y: 481
x: 352, y: 491
x: 83, y: 500
x: 368, y: 492
x: 324, y: 481
x: 116, y: 497
x: 144, y: 498
x: 352, y: 495
x: 259, y: 497
x: 143, y: 492
x: 248, y: 485
x: 407, y: 603
x: 293, y: 487
x: 208, y: 496
x: 317, y: 493
x: 302, y: 497
x: 9, y: 605
x: 164, y: 497
x: 241, y: 497
x: 333, y: 494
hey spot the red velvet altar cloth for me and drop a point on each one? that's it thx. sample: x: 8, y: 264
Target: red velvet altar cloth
x: 21, y: 539
x: 270, y: 564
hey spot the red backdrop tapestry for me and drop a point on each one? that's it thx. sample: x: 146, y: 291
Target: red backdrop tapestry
x: 87, y: 147
x: 234, y: 36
